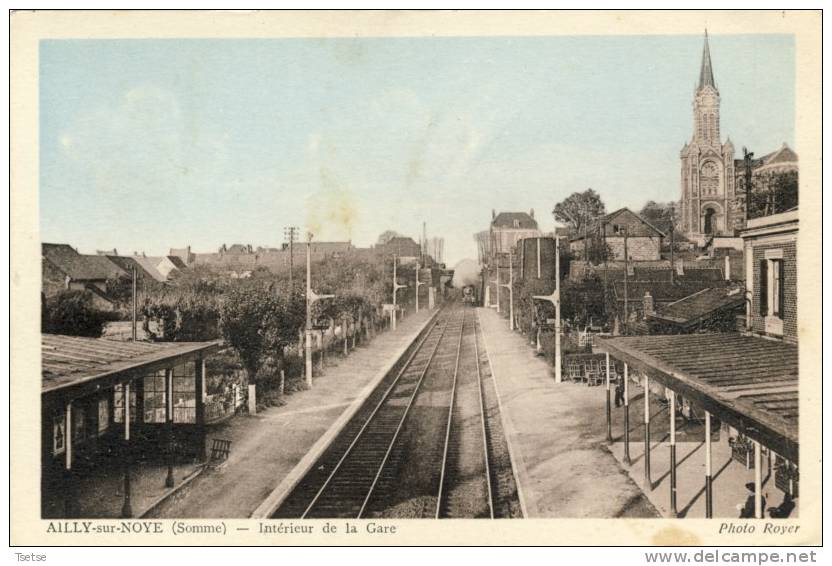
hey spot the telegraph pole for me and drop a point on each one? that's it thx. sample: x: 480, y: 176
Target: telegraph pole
x: 747, y: 156
x: 626, y: 280
x: 672, y: 245
x: 290, y: 233
x: 134, y: 317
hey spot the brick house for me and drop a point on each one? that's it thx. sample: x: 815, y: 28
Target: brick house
x: 644, y: 241
x: 771, y: 261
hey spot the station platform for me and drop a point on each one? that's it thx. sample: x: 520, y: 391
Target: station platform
x: 557, y: 434
x: 729, y: 476
x: 266, y: 448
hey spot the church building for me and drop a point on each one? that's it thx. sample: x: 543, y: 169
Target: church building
x: 712, y: 201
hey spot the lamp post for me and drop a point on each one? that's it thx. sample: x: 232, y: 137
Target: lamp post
x: 554, y: 298
x: 418, y: 284
x: 510, y: 286
x: 396, y: 287
x: 311, y: 297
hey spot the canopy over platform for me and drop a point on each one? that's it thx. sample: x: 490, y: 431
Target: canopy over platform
x: 751, y: 383
x: 73, y: 366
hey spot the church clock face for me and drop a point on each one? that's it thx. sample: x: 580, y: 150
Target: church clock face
x: 709, y: 179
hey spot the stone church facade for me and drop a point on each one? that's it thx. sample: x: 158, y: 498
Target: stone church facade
x: 708, y: 203
x: 712, y: 201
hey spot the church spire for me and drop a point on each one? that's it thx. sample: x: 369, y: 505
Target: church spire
x: 706, y: 74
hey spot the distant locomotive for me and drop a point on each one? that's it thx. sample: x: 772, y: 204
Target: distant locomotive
x: 469, y: 295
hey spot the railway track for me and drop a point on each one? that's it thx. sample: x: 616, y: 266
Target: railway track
x: 420, y: 445
x: 465, y: 489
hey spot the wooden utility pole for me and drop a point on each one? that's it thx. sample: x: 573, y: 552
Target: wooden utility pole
x: 626, y: 281
x: 747, y: 156
x: 134, y: 309
x: 672, y: 245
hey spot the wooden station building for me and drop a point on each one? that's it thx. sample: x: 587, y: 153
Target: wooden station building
x: 118, y: 404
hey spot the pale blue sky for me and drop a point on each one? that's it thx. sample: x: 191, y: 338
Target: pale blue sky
x: 152, y: 144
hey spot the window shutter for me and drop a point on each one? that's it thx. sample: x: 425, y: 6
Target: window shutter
x: 763, y: 287
x: 781, y: 295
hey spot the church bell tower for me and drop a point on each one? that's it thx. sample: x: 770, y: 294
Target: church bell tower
x: 707, y: 175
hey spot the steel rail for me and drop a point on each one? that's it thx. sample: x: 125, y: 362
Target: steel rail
x: 400, y: 425
x: 450, y: 420
x: 380, y: 404
x: 484, y: 418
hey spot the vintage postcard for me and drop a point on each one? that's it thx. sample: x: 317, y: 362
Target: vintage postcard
x: 424, y: 278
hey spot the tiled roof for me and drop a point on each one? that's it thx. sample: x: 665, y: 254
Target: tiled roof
x: 661, y: 291
x: 607, y: 219
x: 506, y: 220
x: 80, y: 267
x: 150, y: 265
x: 177, y: 261
x: 700, y: 305
x: 72, y: 360
x: 750, y: 383
x: 128, y: 262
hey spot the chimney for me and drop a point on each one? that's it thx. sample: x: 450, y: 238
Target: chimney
x: 493, y: 214
x: 648, y: 303
x: 727, y: 267
x: 531, y: 213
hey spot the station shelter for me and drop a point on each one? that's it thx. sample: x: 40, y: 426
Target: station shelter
x: 746, y: 380
x: 117, y: 404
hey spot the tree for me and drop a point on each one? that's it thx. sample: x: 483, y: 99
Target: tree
x: 771, y: 193
x: 483, y: 240
x: 386, y: 236
x: 73, y: 313
x: 578, y: 210
x: 659, y: 214
x: 248, y: 319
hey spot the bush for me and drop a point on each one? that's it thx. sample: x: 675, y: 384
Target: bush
x: 183, y: 317
x: 72, y: 313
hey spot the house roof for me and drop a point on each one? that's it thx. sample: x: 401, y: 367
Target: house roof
x: 128, y: 263
x: 608, y: 218
x: 661, y: 291
x: 749, y: 382
x: 696, y: 307
x: 76, y: 362
x: 177, y: 262
x: 690, y: 274
x: 80, y: 267
x: 507, y: 219
x: 150, y: 265
x: 781, y: 156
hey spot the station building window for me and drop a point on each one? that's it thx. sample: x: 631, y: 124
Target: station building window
x: 59, y: 433
x: 184, y: 393
x: 155, y: 398
x: 118, y: 404
x: 103, y: 415
x: 79, y: 423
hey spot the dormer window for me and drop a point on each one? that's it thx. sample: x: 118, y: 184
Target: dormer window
x: 516, y: 223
